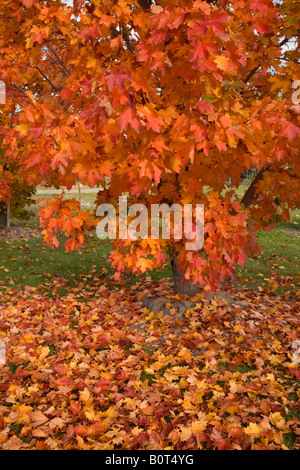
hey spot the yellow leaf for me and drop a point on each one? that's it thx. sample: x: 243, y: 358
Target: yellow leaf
x: 22, y: 129
x: 277, y: 420
x: 236, y: 388
x: 85, y: 395
x: 44, y: 352
x: 278, y: 438
x: 187, y: 405
x: 81, y: 443
x: 23, y: 412
x: 91, y: 63
x: 222, y: 62
x: 253, y: 430
x: 198, y: 396
x: 239, y: 339
x: 270, y: 377
x: 185, y: 354
x: 90, y: 414
x: 199, y: 426
x: 29, y: 43
x: 27, y: 337
x: 176, y: 164
x: 232, y: 409
x: 186, y: 432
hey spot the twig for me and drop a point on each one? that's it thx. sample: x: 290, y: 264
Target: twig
x: 127, y: 40
x: 47, y: 79
x: 19, y: 89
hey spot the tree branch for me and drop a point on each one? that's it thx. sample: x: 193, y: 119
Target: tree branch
x: 127, y: 40
x: 59, y: 60
x: 254, y: 70
x: 251, y: 73
x: 57, y: 65
x: 19, y: 89
x: 47, y: 79
x: 145, y: 4
x: 250, y: 195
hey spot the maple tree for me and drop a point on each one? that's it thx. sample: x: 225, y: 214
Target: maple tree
x: 167, y: 101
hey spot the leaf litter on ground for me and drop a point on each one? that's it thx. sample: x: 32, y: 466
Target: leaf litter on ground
x: 107, y: 373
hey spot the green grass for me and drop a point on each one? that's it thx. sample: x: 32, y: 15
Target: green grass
x: 31, y: 263
x: 277, y: 267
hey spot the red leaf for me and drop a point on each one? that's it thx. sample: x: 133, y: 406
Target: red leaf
x: 37, y: 131
x: 116, y: 80
x: 290, y: 130
x: 28, y: 3
x: 126, y: 118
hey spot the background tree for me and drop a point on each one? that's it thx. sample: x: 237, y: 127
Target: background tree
x: 170, y: 100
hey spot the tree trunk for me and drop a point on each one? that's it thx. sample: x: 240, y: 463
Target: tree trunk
x: 189, y: 289
x: 3, y: 214
x: 180, y: 285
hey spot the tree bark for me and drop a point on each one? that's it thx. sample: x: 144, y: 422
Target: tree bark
x: 251, y: 193
x: 180, y: 285
x: 3, y: 214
